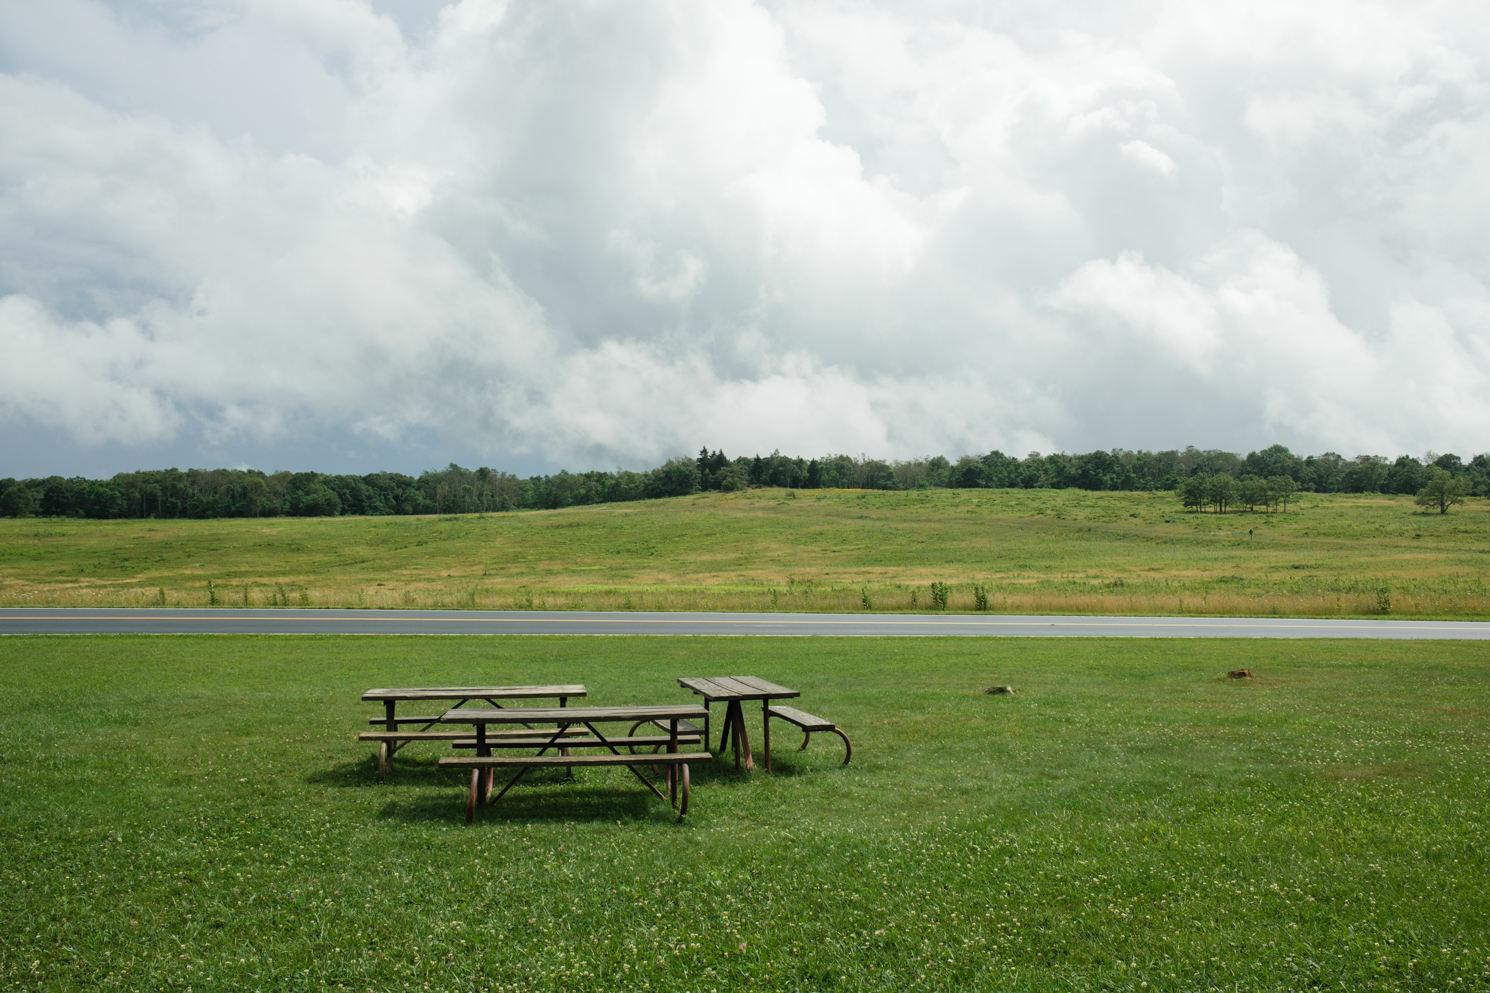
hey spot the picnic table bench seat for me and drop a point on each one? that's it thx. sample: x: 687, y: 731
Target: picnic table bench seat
x: 479, y: 763
x: 810, y: 723
x: 391, y: 741
x: 537, y: 739
x: 452, y: 735
x: 402, y: 736
x: 684, y: 727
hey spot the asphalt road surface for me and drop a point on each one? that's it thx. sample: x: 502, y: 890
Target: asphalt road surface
x: 22, y: 620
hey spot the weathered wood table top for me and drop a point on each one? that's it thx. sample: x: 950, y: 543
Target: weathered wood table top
x: 571, y: 715
x: 713, y: 688
x: 476, y: 692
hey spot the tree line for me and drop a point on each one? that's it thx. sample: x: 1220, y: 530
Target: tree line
x: 1205, y: 479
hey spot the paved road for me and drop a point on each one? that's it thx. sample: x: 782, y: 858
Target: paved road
x: 290, y: 621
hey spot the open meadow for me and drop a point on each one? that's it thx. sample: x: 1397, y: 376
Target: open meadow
x: 193, y: 813
x: 1028, y: 551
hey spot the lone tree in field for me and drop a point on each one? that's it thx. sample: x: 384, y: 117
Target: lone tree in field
x: 1253, y: 490
x: 1443, y: 490
x: 1192, y: 492
x: 1280, y: 488
x: 1220, y: 490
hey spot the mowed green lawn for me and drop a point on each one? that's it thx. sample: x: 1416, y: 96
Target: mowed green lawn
x: 194, y: 813
x: 1040, y: 551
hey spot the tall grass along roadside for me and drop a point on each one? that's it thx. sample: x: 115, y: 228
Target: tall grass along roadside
x: 193, y: 813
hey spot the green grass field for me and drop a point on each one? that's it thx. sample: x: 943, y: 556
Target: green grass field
x: 1033, y: 551
x: 193, y: 813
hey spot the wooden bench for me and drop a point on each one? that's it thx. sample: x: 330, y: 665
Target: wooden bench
x: 634, y: 742
x: 391, y: 741
x: 808, y: 723
x: 480, y: 763
x: 684, y: 727
x: 689, y: 732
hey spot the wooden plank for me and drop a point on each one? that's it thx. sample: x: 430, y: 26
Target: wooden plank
x: 802, y: 719
x: 641, y: 740
x: 766, y: 731
x: 495, y: 732
x: 766, y: 687
x: 412, y: 735
x: 684, y: 727
x: 476, y: 692
x: 735, y: 687
x: 708, y: 688
x: 558, y: 761
x: 741, y: 690
x: 570, y: 715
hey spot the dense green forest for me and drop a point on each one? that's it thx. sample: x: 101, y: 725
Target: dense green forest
x: 1267, y: 476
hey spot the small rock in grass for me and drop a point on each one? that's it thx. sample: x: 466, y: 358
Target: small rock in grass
x: 998, y: 690
x: 1239, y: 674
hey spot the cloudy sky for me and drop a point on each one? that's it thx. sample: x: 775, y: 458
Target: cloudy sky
x: 364, y: 234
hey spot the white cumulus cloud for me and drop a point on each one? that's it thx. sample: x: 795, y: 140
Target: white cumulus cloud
x: 611, y: 232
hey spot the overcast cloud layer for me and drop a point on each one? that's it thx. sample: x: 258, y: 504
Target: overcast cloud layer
x: 600, y: 232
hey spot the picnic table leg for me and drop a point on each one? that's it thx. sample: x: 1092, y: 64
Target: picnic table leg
x: 523, y: 771
x: 471, y: 796
x: 484, y: 750
x: 745, y: 740
x: 731, y: 731
x: 724, y: 730
x: 848, y: 746
x: 672, y: 772
x: 766, y: 730
x: 386, y: 749
x: 568, y: 769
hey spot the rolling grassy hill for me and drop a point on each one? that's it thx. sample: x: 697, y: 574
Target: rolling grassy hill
x: 1031, y: 551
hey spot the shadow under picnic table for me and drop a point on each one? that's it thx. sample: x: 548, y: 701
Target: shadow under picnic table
x: 419, y: 789
x: 363, y: 771
x: 546, y: 794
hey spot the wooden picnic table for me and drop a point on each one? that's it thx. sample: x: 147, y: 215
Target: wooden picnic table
x: 733, y: 690
x: 463, y: 694
x: 391, y: 739
x: 674, y: 717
